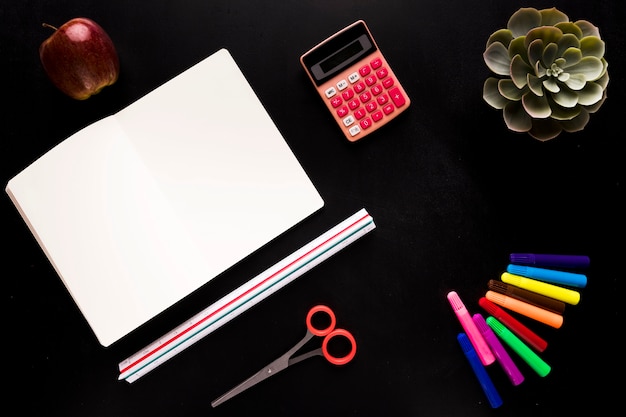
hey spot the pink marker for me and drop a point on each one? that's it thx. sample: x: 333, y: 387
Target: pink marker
x: 478, y: 341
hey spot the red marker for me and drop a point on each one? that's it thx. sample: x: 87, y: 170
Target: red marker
x: 514, y: 325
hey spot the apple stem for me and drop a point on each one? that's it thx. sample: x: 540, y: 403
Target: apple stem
x: 46, y: 25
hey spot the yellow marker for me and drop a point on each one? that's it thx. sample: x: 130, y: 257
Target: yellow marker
x: 549, y: 290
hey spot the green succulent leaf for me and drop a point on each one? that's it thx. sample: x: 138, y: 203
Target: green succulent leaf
x: 595, y: 107
x: 535, y: 52
x: 524, y: 20
x: 588, y: 28
x: 545, y: 129
x: 591, y: 67
x: 564, y: 113
x: 496, y: 57
x: 590, y: 94
x: 504, y: 36
x: 565, y: 98
x: 552, y: 16
x: 576, y: 124
x: 551, y: 85
x: 492, y: 95
x: 572, y: 56
x: 535, y: 84
x: 592, y: 46
x: 509, y: 90
x: 570, y: 28
x: 549, y: 54
x: 518, y: 47
x: 540, y: 70
x: 575, y: 82
x: 519, y: 69
x: 548, y: 34
x: 568, y: 41
x: 604, y: 80
x: 537, y: 107
x: 516, y: 117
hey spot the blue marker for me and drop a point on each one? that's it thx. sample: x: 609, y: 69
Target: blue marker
x: 480, y: 371
x: 549, y: 275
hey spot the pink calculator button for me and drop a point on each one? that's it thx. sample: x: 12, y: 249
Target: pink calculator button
x: 365, y: 97
x: 364, y: 70
x: 376, y: 63
x: 370, y: 80
x: 359, y: 87
x: 388, y: 109
x: 342, y: 111
x: 397, y: 97
x: 388, y: 82
x: 382, y: 73
x: 371, y: 106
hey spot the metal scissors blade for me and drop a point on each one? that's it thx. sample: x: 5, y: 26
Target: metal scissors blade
x: 269, y: 370
x: 272, y: 369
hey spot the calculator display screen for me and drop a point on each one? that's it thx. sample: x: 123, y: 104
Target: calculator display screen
x: 339, y: 52
x: 341, y: 56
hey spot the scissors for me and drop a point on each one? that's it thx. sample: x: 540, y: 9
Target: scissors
x: 286, y: 360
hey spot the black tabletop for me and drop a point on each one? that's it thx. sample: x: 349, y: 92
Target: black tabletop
x: 451, y: 189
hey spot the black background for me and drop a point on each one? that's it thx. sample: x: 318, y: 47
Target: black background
x: 452, y: 192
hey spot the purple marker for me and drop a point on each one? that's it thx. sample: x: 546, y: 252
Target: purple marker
x: 503, y: 358
x: 547, y: 260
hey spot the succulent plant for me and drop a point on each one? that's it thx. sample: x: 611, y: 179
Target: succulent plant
x: 550, y: 73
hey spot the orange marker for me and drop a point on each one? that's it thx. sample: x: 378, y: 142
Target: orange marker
x: 536, y: 313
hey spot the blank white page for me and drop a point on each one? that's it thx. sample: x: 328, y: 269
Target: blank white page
x: 140, y: 209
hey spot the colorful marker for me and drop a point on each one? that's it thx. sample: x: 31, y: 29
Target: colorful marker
x: 528, y: 310
x: 479, y: 370
x: 484, y: 353
x: 549, y: 290
x: 549, y: 275
x: 548, y: 260
x: 530, y: 357
x: 530, y: 297
x: 523, y: 332
x: 508, y: 366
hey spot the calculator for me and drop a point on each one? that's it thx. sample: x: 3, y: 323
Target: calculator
x: 355, y: 81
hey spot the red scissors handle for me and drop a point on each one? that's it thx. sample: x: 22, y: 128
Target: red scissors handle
x: 329, y: 333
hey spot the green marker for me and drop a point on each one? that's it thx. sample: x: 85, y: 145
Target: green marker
x: 530, y: 357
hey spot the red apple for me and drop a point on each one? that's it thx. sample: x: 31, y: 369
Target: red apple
x: 80, y: 58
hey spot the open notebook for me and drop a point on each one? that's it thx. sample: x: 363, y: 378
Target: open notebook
x: 141, y: 208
